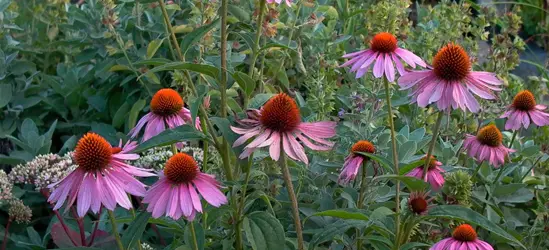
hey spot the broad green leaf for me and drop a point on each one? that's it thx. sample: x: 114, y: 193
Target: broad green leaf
x: 343, y: 214
x: 195, y: 36
x: 239, y: 13
x: 382, y: 161
x: 171, y: 136
x: 408, y: 167
x: 407, y: 150
x: 202, y: 90
x: 263, y: 231
x: 5, y: 94
x: 258, y: 100
x: 199, y: 68
x: 330, y: 231
x: 413, y: 245
x: 455, y: 212
x: 133, y: 233
x: 134, y: 112
x: 245, y: 82
x: 120, y: 115
x: 200, y: 237
x: 412, y: 183
x: 119, y: 67
x: 153, y: 47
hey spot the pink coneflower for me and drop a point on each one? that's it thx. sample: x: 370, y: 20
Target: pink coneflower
x: 384, y: 51
x: 487, y: 146
x: 101, y: 178
x: 450, y: 83
x: 434, y: 176
x: 279, y: 121
x: 418, y: 202
x: 288, y: 2
x: 174, y: 194
x: 353, y: 161
x: 166, y: 109
x: 524, y: 111
x: 464, y: 237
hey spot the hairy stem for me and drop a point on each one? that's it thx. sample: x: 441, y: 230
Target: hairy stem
x: 293, y: 199
x: 395, y: 157
x: 115, y: 230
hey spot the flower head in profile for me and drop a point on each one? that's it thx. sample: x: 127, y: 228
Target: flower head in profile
x: 102, y: 178
x: 175, y: 193
x: 384, y: 54
x: 354, y: 160
x: 434, y: 173
x: 418, y: 203
x: 278, y: 125
x: 450, y: 83
x: 288, y: 2
x: 524, y: 111
x: 487, y: 146
x: 464, y: 237
x: 166, y: 111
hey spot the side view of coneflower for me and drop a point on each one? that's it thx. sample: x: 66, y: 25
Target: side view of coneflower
x: 418, y: 203
x: 464, y: 237
x: 102, y: 178
x: 384, y: 54
x: 354, y: 161
x: 434, y: 173
x: 175, y: 193
x: 487, y: 146
x: 451, y: 82
x: 524, y: 111
x: 167, y: 111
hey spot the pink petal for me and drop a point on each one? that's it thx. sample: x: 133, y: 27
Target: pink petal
x: 389, y: 68
x: 185, y: 201
x: 378, y: 66
x: 274, y: 149
x: 195, y: 199
x: 209, y: 191
x: 85, y: 196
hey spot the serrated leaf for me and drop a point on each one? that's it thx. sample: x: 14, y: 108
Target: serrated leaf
x: 264, y: 231
x: 133, y: 233
x: 170, y: 136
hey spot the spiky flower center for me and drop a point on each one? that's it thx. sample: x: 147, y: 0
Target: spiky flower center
x: 452, y: 63
x: 418, y: 204
x: 490, y: 135
x: 363, y: 147
x: 181, y: 168
x: 464, y: 233
x: 432, y: 162
x: 384, y: 42
x: 166, y: 102
x: 524, y: 101
x: 280, y: 114
x: 93, y: 152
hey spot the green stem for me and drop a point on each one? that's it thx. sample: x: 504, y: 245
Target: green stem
x: 223, y: 83
x: 115, y: 230
x: 293, y: 199
x: 513, y: 138
x: 530, y: 169
x: 195, y: 241
x: 474, y: 176
x: 255, y: 50
x: 493, y: 186
x: 240, y: 208
x: 395, y: 157
x: 170, y: 29
x: 432, y: 144
x: 133, y: 216
x: 289, y: 40
x: 360, y: 202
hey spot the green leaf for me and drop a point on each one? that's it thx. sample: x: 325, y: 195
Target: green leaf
x: 407, y: 150
x: 411, y: 182
x: 330, y: 231
x: 412, y: 245
x: 264, y: 231
x: 382, y: 161
x: 171, y: 136
x: 259, y: 100
x: 152, y: 61
x: 455, y: 212
x: 195, y: 36
x: 120, y: 115
x: 119, y: 67
x: 245, y: 82
x: 407, y: 168
x: 343, y: 214
x: 134, y: 112
x: 199, y: 68
x: 239, y: 13
x: 200, y: 237
x: 133, y: 233
x: 153, y: 47
x: 5, y: 94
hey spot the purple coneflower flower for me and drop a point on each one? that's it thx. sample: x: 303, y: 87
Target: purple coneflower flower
x: 464, y: 237
x: 279, y: 122
x: 175, y: 195
x: 418, y: 202
x: 487, y: 146
x: 102, y: 177
x: 353, y: 162
x: 524, y: 111
x: 434, y: 176
x: 383, y: 53
x: 450, y: 83
x: 166, y: 110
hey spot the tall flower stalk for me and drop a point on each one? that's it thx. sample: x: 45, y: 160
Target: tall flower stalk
x: 115, y: 230
x: 293, y: 199
x: 436, y: 130
x: 259, y: 30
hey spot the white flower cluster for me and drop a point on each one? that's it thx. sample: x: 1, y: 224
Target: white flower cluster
x: 156, y: 158
x: 146, y: 246
x: 43, y: 170
x: 5, y: 187
x: 19, y: 212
